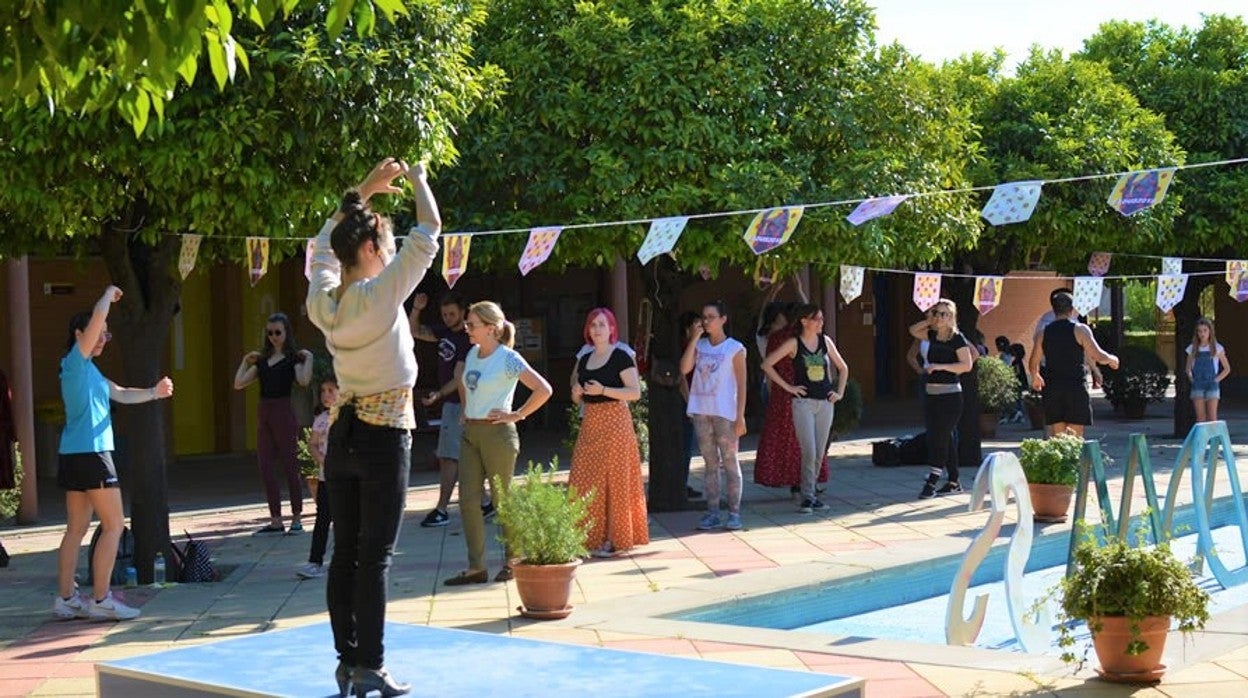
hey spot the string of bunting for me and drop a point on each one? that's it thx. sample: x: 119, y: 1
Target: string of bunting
x: 1009, y: 203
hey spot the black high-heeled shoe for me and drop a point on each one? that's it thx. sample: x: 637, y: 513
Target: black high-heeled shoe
x: 365, y: 681
x: 343, y: 676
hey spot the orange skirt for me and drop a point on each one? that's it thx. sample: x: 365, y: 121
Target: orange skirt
x: 606, y: 461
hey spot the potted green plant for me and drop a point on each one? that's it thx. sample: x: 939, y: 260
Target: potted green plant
x: 543, y: 524
x: 1141, y: 377
x: 1052, y: 470
x: 998, y: 391
x: 307, y: 466
x: 1129, y: 596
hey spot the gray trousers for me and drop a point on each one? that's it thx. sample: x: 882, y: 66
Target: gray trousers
x: 812, y: 420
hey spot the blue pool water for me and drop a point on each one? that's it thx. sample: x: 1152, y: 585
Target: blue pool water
x: 910, y: 602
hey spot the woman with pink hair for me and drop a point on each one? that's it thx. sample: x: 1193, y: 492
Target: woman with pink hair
x: 606, y: 460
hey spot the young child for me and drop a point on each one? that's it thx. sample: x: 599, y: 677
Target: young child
x: 315, y: 566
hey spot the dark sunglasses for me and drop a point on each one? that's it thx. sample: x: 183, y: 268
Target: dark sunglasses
x: 274, y: 333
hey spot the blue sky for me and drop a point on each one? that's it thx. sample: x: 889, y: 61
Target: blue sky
x: 943, y: 29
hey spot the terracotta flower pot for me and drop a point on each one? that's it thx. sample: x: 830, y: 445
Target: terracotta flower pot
x: 313, y: 483
x: 988, y: 423
x: 1134, y: 407
x: 1049, y: 503
x: 1111, y: 648
x: 545, y: 589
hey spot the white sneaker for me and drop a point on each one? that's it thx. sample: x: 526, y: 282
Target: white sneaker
x: 111, y: 609
x: 69, y: 609
x: 310, y: 570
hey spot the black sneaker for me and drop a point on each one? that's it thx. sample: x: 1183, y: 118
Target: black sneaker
x: 435, y: 519
x: 929, y: 490
x: 951, y: 487
x: 807, y: 506
x: 818, y: 505
x: 691, y: 493
x: 488, y: 511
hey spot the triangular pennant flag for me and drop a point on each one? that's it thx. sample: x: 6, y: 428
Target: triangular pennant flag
x: 1012, y: 202
x: 190, y: 251
x: 926, y: 290
x: 772, y: 228
x: 307, y: 258
x: 455, y: 257
x: 1137, y: 191
x: 1239, y: 289
x: 1088, y: 293
x: 1098, y: 263
x: 851, y: 282
x: 1170, y: 288
x: 987, y: 293
x: 1233, y: 268
x: 541, y: 244
x: 875, y: 207
x: 1171, y: 266
x: 664, y: 232
x: 257, y: 258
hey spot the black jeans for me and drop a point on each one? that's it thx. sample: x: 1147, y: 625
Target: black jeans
x: 366, y: 468
x: 940, y: 416
x: 320, y: 530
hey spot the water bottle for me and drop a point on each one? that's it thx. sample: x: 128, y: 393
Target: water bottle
x: 132, y: 577
x: 158, y: 569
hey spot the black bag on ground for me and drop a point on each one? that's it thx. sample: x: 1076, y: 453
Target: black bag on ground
x: 914, y: 449
x: 886, y: 453
x: 195, y: 561
x: 125, y: 556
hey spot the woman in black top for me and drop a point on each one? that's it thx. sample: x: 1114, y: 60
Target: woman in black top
x: 948, y: 356
x: 277, y: 366
x: 606, y: 460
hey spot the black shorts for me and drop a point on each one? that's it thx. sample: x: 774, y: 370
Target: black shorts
x: 79, y: 472
x: 1067, y: 403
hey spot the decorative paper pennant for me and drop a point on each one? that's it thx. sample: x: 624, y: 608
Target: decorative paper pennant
x: 541, y: 244
x: 1098, y: 264
x: 772, y: 228
x: 851, y: 282
x: 1170, y: 288
x: 1233, y: 269
x: 1012, y: 202
x: 307, y: 258
x: 662, y: 237
x: 1171, y: 266
x: 455, y: 257
x: 987, y: 293
x: 1239, y: 289
x: 765, y: 271
x: 257, y: 258
x: 1088, y: 293
x: 876, y: 207
x: 190, y: 251
x: 926, y: 290
x: 1137, y: 191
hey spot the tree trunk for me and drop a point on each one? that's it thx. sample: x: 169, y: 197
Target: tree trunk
x: 1185, y: 315
x: 669, y: 464
x: 140, y: 323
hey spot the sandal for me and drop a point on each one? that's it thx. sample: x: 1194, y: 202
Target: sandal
x: 504, y: 575
x: 606, y: 550
x: 468, y: 577
x: 271, y: 528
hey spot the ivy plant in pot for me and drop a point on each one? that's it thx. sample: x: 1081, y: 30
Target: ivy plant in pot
x: 1141, y: 377
x: 307, y: 466
x: 998, y: 391
x: 544, y: 526
x: 1052, y: 470
x: 1129, y: 596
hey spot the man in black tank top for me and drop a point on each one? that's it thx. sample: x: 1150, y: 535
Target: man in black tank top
x: 1067, y: 407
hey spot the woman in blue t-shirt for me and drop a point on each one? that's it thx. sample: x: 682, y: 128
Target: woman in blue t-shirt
x: 86, y: 470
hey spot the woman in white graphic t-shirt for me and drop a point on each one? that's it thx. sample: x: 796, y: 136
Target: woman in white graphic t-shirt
x: 717, y: 409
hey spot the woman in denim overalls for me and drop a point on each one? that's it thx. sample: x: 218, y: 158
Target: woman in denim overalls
x: 1206, y: 367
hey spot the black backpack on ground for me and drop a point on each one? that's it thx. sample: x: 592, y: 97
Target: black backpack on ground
x: 195, y: 560
x: 886, y: 453
x: 125, y: 556
x: 914, y: 449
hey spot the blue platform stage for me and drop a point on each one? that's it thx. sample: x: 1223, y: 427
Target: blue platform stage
x: 446, y: 662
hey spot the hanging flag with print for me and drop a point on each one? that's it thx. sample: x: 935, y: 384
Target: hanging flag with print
x: 1171, y: 265
x: 988, y: 293
x: 664, y: 232
x: 772, y: 228
x: 1136, y: 191
x: 1239, y: 289
x: 766, y: 270
x: 1087, y: 293
x: 455, y: 257
x: 257, y: 259
x: 1170, y: 289
x: 875, y: 207
x: 1098, y: 264
x: 190, y: 251
x: 541, y: 244
x: 307, y: 258
x: 1233, y: 268
x: 1012, y: 202
x: 926, y: 290
x: 851, y: 282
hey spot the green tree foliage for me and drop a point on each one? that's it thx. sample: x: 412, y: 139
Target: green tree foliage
x: 133, y: 54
